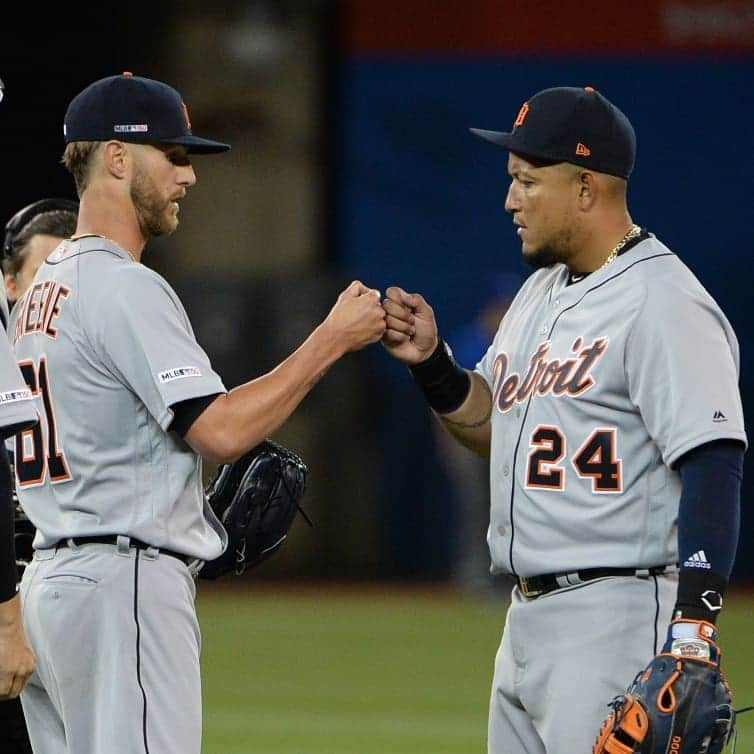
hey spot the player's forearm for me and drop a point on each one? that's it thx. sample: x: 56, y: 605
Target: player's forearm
x: 708, y: 531
x: 249, y: 413
x: 459, y: 398
x: 470, y: 422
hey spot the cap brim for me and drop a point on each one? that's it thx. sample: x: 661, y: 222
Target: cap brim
x: 509, y: 141
x: 197, y: 145
x: 500, y: 138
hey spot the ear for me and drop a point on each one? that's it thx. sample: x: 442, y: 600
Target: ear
x: 11, y: 289
x: 588, y: 189
x: 115, y: 158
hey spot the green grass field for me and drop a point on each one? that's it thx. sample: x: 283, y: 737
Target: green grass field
x: 331, y: 670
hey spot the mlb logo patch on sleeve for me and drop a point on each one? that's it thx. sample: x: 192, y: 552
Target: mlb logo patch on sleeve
x: 178, y: 373
x: 11, y: 396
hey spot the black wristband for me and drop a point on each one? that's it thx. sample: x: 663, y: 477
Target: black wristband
x: 444, y: 383
x: 700, y: 595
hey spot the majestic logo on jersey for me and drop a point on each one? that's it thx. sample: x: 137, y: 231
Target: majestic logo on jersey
x: 179, y: 373
x: 568, y: 377
x: 39, y: 308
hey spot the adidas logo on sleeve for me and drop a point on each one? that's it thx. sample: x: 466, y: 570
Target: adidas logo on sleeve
x: 697, y: 560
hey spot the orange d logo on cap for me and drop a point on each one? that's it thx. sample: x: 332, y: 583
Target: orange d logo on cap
x: 521, y: 117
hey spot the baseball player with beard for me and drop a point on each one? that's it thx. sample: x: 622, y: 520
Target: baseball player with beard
x: 609, y: 407
x: 129, y: 406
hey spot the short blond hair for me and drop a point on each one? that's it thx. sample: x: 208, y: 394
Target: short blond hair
x: 77, y: 159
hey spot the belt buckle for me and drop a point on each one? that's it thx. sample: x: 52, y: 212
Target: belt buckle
x: 526, y: 587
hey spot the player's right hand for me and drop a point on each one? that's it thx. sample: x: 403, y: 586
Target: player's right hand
x: 411, y: 332
x: 16, y: 657
x: 357, y: 319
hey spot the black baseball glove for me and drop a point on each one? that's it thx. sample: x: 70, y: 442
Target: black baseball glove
x: 680, y: 703
x: 256, y: 498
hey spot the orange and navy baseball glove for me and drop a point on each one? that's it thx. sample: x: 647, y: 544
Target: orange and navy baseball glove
x: 679, y: 704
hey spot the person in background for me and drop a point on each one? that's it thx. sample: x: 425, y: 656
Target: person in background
x: 17, y: 413
x: 30, y: 235
x: 469, y: 474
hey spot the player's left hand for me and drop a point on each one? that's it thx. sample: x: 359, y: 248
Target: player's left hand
x: 681, y: 702
x: 16, y: 657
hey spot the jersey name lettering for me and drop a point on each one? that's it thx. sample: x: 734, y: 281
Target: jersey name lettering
x: 570, y: 376
x: 39, y: 308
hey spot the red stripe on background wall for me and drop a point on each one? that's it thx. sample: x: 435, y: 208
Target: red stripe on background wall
x: 490, y: 27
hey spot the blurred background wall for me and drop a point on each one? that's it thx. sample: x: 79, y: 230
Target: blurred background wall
x: 352, y: 158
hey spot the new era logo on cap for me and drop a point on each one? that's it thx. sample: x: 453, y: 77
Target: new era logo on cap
x: 571, y: 124
x: 133, y: 109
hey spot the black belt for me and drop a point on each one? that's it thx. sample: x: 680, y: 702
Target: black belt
x: 112, y: 539
x: 536, y: 586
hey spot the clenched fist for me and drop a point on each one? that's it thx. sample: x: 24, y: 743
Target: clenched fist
x: 411, y: 332
x: 357, y: 318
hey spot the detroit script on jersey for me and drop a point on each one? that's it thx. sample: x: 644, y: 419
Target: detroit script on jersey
x: 570, y: 376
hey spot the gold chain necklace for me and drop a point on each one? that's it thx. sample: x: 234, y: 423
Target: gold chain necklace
x: 633, y: 231
x: 99, y: 235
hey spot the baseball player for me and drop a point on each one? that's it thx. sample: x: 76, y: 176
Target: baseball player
x: 608, y: 405
x: 17, y: 412
x: 130, y: 405
x: 30, y: 235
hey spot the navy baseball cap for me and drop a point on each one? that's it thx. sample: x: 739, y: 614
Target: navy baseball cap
x: 133, y: 109
x: 571, y: 124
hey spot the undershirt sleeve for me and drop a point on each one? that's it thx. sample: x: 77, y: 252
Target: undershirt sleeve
x: 708, y: 523
x: 185, y: 413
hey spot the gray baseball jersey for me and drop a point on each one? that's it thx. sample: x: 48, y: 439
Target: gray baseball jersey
x: 107, y: 348
x: 599, y: 387
x: 16, y: 401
